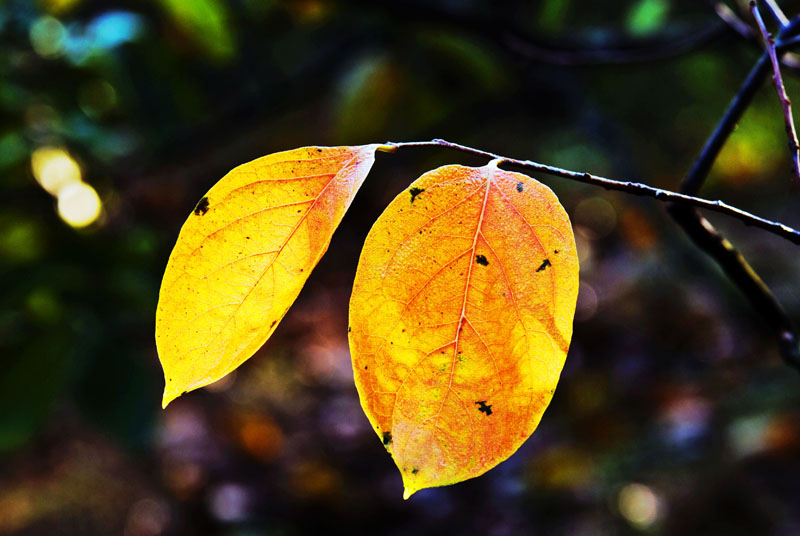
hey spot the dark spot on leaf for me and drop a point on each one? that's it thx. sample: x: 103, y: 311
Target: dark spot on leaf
x: 387, y: 438
x: 202, y: 207
x: 273, y: 323
x: 247, y: 237
x: 415, y: 192
x: 319, y: 150
x: 483, y: 407
x: 555, y: 251
x: 415, y: 470
x: 519, y: 186
x: 349, y: 329
x: 366, y: 367
x: 544, y: 265
x: 481, y: 259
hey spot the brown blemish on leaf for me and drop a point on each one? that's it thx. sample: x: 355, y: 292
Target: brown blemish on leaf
x: 483, y: 407
x: 520, y: 187
x: 415, y: 192
x: 544, y: 265
x: 387, y: 439
x: 481, y: 259
x: 202, y: 207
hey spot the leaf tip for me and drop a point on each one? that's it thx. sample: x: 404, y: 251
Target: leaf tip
x: 169, y: 396
x: 408, y: 492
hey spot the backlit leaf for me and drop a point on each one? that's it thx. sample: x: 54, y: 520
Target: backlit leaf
x: 461, y: 318
x: 243, y: 256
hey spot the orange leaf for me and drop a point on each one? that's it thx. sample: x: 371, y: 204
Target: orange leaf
x: 460, y: 320
x: 243, y: 256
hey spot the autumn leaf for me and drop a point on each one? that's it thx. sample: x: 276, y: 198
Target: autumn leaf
x: 244, y: 254
x: 461, y: 318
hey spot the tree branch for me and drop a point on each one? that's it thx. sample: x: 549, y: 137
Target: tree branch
x: 633, y: 188
x: 712, y: 242
x: 777, y: 80
x: 743, y: 276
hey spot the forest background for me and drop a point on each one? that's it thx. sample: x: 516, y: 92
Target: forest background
x: 675, y: 412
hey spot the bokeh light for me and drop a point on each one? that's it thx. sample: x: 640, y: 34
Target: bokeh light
x: 54, y: 169
x: 97, y: 97
x: 639, y: 505
x: 595, y: 217
x: 47, y: 37
x: 79, y: 205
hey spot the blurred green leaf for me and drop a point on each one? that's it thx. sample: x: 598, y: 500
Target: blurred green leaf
x: 206, y: 23
x: 368, y: 95
x: 647, y: 16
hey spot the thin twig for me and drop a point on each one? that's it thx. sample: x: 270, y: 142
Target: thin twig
x: 634, y: 188
x: 777, y: 81
x: 730, y: 18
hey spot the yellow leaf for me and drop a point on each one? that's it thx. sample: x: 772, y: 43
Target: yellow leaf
x: 243, y: 256
x: 460, y: 320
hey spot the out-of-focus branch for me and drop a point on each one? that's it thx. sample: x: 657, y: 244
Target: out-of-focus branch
x: 776, y: 12
x: 647, y: 51
x: 747, y: 32
x: 496, y: 25
x: 777, y: 80
x: 743, y: 276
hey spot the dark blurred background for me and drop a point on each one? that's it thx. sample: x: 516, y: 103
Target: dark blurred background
x: 674, y: 414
